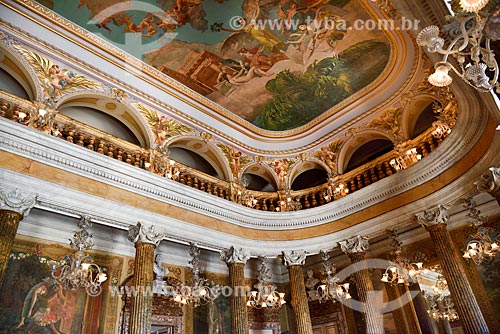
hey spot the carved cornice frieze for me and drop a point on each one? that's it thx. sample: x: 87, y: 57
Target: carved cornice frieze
x: 234, y: 255
x: 145, y: 233
x: 294, y: 257
x: 15, y: 200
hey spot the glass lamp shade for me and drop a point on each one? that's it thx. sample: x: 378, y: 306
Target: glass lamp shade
x: 477, y: 74
x: 429, y: 37
x: 473, y: 6
x: 441, y: 78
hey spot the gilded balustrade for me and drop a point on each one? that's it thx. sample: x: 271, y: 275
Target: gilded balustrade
x: 18, y: 110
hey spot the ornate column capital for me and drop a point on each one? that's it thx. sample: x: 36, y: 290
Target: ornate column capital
x: 17, y: 201
x: 434, y: 216
x: 357, y: 244
x: 145, y: 233
x: 489, y: 181
x: 294, y: 258
x: 234, y: 255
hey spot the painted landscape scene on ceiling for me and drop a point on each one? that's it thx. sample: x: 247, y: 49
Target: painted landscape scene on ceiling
x: 277, y: 64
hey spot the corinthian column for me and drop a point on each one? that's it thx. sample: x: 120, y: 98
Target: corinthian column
x: 490, y: 183
x: 434, y: 221
x: 14, y: 206
x: 235, y: 259
x: 146, y: 238
x: 294, y: 260
x: 356, y: 248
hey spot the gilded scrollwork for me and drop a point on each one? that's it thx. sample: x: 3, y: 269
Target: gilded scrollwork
x: 329, y: 154
x: 55, y: 80
x: 236, y: 159
x: 163, y: 128
x: 389, y: 122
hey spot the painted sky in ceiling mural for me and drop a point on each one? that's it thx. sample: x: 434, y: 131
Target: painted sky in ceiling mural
x: 277, y: 64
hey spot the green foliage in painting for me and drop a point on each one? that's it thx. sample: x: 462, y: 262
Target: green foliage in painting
x: 299, y: 98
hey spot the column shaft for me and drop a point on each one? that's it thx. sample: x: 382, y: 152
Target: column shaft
x: 299, y: 300
x: 238, y: 301
x: 141, y: 307
x: 465, y: 301
x: 9, y: 222
x: 420, y: 307
x: 364, y: 285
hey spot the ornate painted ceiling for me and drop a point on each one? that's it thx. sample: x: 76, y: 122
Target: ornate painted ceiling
x: 277, y: 65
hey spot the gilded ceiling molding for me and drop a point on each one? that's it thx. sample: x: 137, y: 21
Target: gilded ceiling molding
x: 17, y: 201
x: 162, y: 127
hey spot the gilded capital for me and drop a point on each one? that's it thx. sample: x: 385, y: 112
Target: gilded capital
x: 357, y: 244
x: 434, y: 216
x: 294, y: 258
x: 234, y: 255
x: 145, y: 233
x: 16, y: 201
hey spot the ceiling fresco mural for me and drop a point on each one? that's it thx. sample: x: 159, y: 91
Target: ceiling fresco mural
x: 277, y: 64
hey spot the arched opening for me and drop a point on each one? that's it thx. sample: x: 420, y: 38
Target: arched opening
x: 258, y: 183
x: 368, y: 152
x: 309, y: 178
x: 10, y: 85
x: 424, y: 121
x: 193, y: 160
x: 101, y: 121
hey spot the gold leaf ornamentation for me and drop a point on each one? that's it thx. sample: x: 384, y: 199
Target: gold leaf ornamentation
x: 163, y: 128
x: 55, y: 80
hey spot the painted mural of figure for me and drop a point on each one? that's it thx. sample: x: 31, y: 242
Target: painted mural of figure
x: 43, y: 307
x: 255, y: 63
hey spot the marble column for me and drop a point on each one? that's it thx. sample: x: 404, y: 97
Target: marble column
x: 14, y: 206
x: 419, y: 306
x: 434, y: 220
x: 294, y: 260
x: 145, y: 238
x: 235, y: 259
x: 490, y: 183
x: 356, y: 248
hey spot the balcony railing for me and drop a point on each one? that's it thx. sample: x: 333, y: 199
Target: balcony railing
x: 72, y: 131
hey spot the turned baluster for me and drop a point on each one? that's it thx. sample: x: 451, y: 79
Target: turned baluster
x: 314, y: 202
x: 305, y: 200
x: 352, y: 185
x: 4, y: 107
x: 119, y: 154
x: 202, y: 185
x: 100, y: 146
x: 91, y: 142
x: 210, y: 188
x: 271, y: 206
x: 264, y: 205
x: 388, y: 169
x: 359, y: 181
x: 380, y: 172
x: 70, y: 135
x: 137, y: 159
x: 128, y: 157
x: 189, y: 181
x: 15, y: 113
x: 373, y: 174
x: 80, y: 139
x: 182, y: 178
x: 195, y: 183
x: 111, y: 150
x: 321, y: 199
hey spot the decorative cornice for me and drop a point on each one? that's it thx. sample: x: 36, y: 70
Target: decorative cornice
x: 294, y: 257
x: 145, y: 233
x: 234, y: 255
x: 357, y: 244
x: 433, y: 216
x: 15, y: 200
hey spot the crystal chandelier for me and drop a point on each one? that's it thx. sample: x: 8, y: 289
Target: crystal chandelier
x: 401, y: 270
x: 471, y: 48
x: 266, y: 295
x: 406, y: 157
x: 78, y: 270
x: 331, y: 290
x: 484, y: 242
x: 200, y: 293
